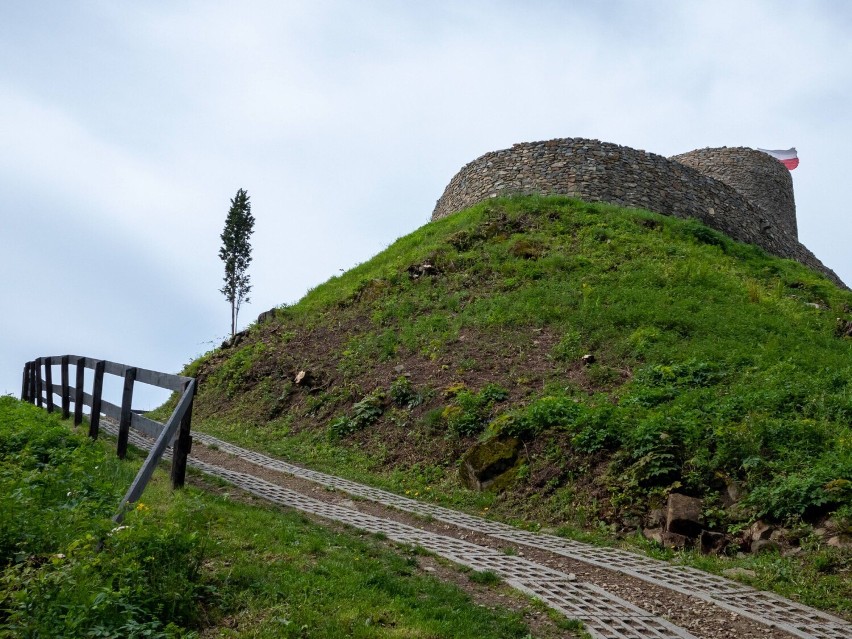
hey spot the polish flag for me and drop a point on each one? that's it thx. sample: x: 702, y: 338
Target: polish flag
x: 788, y: 158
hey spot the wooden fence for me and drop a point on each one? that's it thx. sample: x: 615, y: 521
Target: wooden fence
x: 37, y: 387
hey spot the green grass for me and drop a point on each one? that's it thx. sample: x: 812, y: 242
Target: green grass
x: 305, y: 580
x: 716, y: 365
x: 485, y: 578
x: 190, y: 561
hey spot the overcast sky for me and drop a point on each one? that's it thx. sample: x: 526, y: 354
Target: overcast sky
x: 125, y: 129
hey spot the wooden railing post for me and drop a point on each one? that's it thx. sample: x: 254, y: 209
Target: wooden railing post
x: 33, y: 368
x: 66, y: 392
x: 97, y: 391
x: 39, y: 398
x: 79, y: 380
x: 48, y: 382
x: 126, y: 412
x: 25, y: 383
x: 183, y: 443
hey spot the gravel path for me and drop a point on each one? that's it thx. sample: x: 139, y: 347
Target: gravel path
x: 617, y: 594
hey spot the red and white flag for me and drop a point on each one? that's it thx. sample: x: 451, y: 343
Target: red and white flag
x: 788, y: 158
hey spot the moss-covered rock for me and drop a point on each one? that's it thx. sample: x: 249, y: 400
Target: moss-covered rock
x: 490, y: 465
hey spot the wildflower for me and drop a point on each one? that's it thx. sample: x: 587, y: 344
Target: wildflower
x: 141, y: 507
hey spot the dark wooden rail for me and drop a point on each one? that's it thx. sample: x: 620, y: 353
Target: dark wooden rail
x: 41, y: 391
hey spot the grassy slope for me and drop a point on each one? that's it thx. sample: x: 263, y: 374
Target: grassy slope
x: 191, y: 560
x: 716, y: 367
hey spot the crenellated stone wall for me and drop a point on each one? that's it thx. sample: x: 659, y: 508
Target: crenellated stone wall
x: 741, y: 192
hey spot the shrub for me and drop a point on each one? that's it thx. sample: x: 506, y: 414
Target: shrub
x: 704, y: 235
x: 234, y: 372
x: 597, y: 429
x: 542, y: 414
x: 471, y: 411
x: 48, y: 490
x: 549, y: 412
x: 67, y: 570
x: 403, y: 394
x: 656, y: 449
x: 816, y: 489
x: 143, y: 582
x: 569, y: 348
x: 364, y: 413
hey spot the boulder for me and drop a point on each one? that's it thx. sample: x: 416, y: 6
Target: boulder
x: 267, y: 316
x: 711, y: 542
x: 683, y: 515
x: 653, y: 534
x: 731, y: 495
x: 416, y: 271
x: 656, y: 518
x: 765, y: 545
x: 674, y: 540
x: 490, y: 465
x: 780, y: 535
x: 312, y: 381
x: 844, y: 327
x: 840, y: 541
x: 759, y: 530
x: 235, y: 340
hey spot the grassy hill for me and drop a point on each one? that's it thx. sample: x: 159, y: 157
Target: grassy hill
x: 632, y: 354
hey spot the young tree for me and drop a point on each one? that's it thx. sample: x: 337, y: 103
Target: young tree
x: 236, y: 254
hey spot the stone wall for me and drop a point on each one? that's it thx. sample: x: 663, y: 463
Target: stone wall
x: 762, y: 179
x: 741, y: 192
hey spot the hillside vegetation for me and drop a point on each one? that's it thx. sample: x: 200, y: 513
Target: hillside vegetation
x: 631, y: 354
x: 192, y: 563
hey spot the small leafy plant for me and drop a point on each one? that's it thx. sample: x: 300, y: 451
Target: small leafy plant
x: 364, y: 413
x: 404, y: 395
x: 471, y: 411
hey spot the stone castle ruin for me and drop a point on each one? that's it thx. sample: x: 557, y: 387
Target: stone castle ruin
x: 744, y: 193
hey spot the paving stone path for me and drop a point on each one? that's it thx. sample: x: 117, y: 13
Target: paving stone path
x: 606, y: 616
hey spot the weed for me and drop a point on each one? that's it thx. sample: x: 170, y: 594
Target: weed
x: 403, y: 394
x: 364, y: 413
x: 484, y: 577
x: 471, y: 411
x: 569, y: 348
x: 232, y: 375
